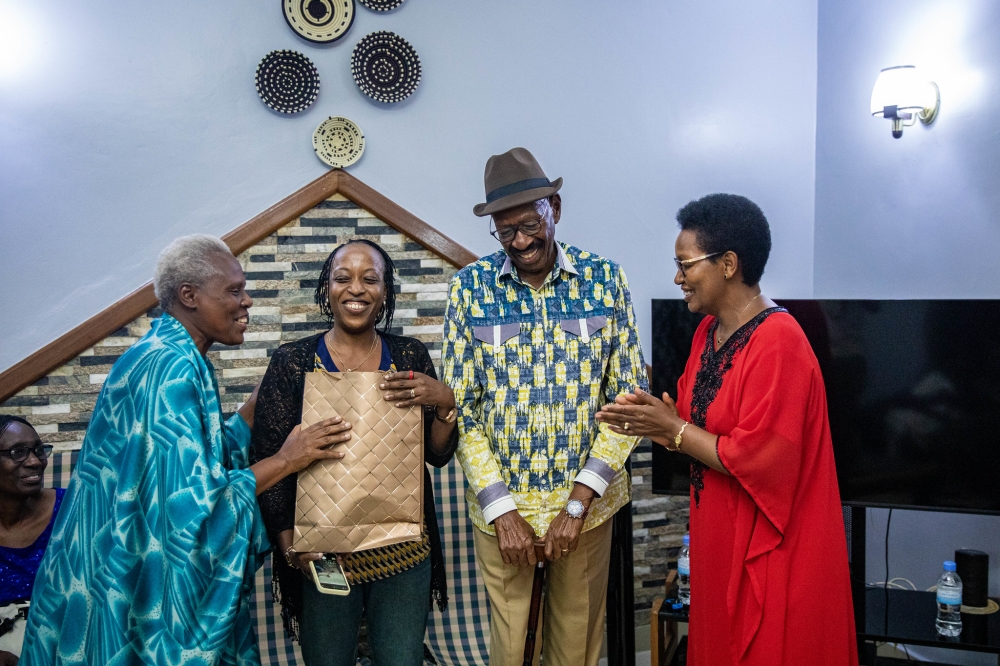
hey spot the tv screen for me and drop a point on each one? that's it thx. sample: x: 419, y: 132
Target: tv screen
x: 913, y: 392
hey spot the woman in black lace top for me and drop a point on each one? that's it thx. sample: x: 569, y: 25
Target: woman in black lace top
x: 392, y: 586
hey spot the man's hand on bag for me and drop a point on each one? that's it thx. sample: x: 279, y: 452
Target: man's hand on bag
x: 516, y: 539
x: 306, y: 445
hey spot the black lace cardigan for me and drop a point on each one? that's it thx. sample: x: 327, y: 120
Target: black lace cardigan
x: 279, y: 410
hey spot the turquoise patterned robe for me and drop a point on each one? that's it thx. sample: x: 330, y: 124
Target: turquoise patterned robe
x: 153, y: 555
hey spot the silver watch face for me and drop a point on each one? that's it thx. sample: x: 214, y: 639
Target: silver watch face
x: 574, y: 508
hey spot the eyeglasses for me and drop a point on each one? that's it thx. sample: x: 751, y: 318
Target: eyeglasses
x: 684, y: 264
x: 507, y: 234
x: 20, y: 453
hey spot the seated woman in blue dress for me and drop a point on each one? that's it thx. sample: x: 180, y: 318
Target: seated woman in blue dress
x: 153, y: 555
x: 27, y: 512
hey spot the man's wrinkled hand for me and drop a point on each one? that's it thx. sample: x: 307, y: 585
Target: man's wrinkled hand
x: 516, y: 539
x: 563, y: 536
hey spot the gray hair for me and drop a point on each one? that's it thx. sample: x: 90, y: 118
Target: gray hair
x: 543, y: 207
x: 186, y: 260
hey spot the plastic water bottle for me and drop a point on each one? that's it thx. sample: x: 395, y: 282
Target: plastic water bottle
x: 684, y: 572
x: 949, y: 602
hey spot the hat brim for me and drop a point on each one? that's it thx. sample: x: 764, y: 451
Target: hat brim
x: 516, y: 199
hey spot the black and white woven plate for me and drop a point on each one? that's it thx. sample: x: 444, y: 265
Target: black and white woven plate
x: 338, y: 142
x: 381, y: 5
x: 287, y: 81
x: 319, y: 20
x: 385, y: 67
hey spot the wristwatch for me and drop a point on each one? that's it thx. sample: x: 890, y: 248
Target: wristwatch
x: 678, y: 437
x: 576, y: 509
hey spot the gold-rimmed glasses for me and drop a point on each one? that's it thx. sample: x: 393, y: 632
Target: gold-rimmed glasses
x: 684, y: 264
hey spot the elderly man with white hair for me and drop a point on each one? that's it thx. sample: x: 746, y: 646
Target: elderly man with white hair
x: 153, y: 554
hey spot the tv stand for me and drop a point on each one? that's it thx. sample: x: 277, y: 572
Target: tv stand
x: 910, y: 620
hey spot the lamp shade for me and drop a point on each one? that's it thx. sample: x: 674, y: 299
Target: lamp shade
x: 902, y: 87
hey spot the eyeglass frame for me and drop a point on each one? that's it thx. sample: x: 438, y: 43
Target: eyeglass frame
x: 518, y: 227
x: 41, y: 451
x: 684, y: 264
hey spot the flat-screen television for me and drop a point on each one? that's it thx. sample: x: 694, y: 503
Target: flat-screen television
x: 913, y: 392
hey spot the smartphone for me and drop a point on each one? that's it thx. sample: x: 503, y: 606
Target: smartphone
x: 329, y: 577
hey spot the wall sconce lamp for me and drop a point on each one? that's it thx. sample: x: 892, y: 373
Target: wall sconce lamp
x: 903, y: 96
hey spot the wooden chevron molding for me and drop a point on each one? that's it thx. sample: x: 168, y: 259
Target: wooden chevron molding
x: 136, y: 304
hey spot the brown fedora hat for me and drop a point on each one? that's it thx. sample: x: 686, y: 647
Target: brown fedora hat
x: 512, y: 179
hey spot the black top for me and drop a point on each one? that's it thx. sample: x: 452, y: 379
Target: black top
x: 279, y: 410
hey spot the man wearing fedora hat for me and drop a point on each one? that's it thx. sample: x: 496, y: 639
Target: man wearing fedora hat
x: 538, y: 336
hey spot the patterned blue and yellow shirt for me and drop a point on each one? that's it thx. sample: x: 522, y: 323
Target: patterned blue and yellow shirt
x: 530, y: 368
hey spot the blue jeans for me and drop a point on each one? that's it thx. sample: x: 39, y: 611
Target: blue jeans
x: 396, y: 612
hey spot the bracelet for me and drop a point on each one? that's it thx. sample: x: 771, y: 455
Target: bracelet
x: 677, y: 437
x: 447, y: 418
x: 287, y: 558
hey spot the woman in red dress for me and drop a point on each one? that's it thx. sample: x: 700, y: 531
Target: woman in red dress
x: 769, y: 577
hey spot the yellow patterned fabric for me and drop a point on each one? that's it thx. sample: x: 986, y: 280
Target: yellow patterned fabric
x: 529, y: 369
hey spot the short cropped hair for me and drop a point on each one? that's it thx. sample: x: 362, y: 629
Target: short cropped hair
x: 186, y: 260
x: 729, y: 222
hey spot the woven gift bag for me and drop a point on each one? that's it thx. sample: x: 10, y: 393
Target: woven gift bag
x: 373, y: 496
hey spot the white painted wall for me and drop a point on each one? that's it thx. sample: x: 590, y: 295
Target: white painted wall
x: 915, y: 217
x: 125, y: 125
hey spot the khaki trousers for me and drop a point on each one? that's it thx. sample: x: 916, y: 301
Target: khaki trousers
x: 572, y: 618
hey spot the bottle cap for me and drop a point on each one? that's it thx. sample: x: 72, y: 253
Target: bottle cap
x: 687, y: 539
x: 949, y: 566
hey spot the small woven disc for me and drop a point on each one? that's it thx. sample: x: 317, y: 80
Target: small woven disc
x: 319, y: 20
x: 381, y: 5
x: 385, y: 67
x: 287, y: 81
x: 338, y: 142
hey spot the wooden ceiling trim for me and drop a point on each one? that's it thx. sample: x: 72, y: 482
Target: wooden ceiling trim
x: 404, y: 221
x: 71, y: 344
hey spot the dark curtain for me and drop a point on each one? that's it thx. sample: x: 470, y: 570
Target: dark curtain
x: 621, y: 593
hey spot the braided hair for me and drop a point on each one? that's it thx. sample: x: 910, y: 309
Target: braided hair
x: 7, y: 419
x: 322, y: 295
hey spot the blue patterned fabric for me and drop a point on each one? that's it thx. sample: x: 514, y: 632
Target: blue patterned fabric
x: 153, y: 555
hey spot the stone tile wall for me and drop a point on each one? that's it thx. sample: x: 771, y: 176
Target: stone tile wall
x: 282, y: 272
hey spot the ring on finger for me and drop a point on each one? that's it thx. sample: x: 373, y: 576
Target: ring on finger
x: 625, y: 428
x: 413, y: 394
x: 411, y: 375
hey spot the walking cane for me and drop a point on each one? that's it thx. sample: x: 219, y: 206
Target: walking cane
x: 536, y: 604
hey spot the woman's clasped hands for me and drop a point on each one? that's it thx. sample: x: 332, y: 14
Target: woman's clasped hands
x: 641, y: 414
